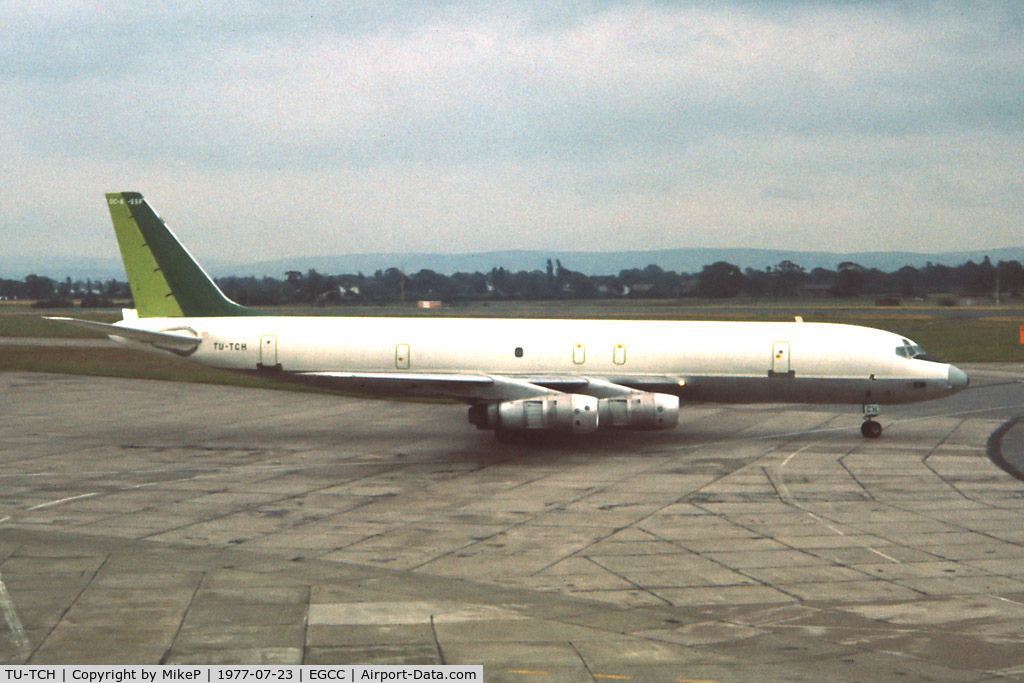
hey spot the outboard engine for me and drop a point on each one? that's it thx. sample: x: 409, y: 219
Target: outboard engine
x: 567, y: 413
x: 639, y: 411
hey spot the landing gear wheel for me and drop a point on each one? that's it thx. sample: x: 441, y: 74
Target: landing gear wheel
x: 870, y: 429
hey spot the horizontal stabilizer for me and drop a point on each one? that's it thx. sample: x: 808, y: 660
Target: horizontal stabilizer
x: 180, y: 343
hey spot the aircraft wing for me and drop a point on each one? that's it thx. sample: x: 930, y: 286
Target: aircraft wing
x: 471, y: 388
x: 477, y: 388
x: 177, y: 342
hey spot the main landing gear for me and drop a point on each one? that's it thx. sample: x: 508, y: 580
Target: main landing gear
x: 869, y: 427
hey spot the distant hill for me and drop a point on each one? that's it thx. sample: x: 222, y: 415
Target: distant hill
x: 60, y: 267
x: 588, y: 262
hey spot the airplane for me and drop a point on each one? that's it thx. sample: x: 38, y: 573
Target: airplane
x: 518, y: 376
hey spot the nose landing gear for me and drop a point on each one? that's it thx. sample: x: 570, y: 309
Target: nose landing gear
x: 869, y: 427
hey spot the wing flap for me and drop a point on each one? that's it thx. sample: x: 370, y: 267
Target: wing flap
x: 478, y: 387
x: 468, y: 387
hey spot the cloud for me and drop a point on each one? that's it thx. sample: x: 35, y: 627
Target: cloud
x: 465, y: 126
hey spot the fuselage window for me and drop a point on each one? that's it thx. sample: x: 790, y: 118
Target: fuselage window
x: 519, y: 352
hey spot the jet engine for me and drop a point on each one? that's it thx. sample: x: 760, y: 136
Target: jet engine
x: 569, y: 413
x: 639, y: 411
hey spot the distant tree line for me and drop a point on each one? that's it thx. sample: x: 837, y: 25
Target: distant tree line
x: 555, y: 281
x: 65, y: 293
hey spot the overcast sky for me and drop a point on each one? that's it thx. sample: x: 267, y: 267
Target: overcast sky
x: 261, y: 131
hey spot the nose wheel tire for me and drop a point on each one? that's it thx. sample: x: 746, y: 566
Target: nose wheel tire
x: 870, y: 429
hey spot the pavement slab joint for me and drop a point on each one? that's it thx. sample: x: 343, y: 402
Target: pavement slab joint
x: 759, y: 544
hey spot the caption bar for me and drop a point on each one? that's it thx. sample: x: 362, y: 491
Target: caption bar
x: 236, y: 674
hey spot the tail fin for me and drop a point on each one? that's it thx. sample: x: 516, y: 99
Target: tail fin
x: 165, y: 280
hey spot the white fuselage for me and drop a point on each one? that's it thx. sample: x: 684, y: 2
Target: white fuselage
x: 698, y: 361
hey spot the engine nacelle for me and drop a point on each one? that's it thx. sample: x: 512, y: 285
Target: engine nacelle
x: 570, y: 413
x: 639, y: 411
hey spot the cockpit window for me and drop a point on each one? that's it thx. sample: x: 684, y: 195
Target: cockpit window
x: 911, y: 350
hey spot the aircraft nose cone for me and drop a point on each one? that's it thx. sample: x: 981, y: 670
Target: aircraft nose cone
x: 957, y: 378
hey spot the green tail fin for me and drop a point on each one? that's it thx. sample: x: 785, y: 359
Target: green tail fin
x: 165, y: 280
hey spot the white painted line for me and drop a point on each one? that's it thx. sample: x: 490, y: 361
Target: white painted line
x: 999, y: 597
x: 62, y: 500
x: 821, y: 520
x: 793, y: 455
x: 163, y: 482
x: 881, y: 554
x: 14, y: 623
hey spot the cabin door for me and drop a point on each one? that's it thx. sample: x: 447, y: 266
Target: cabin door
x: 579, y: 354
x: 268, y: 351
x: 619, y: 354
x: 402, y: 356
x: 780, y: 358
